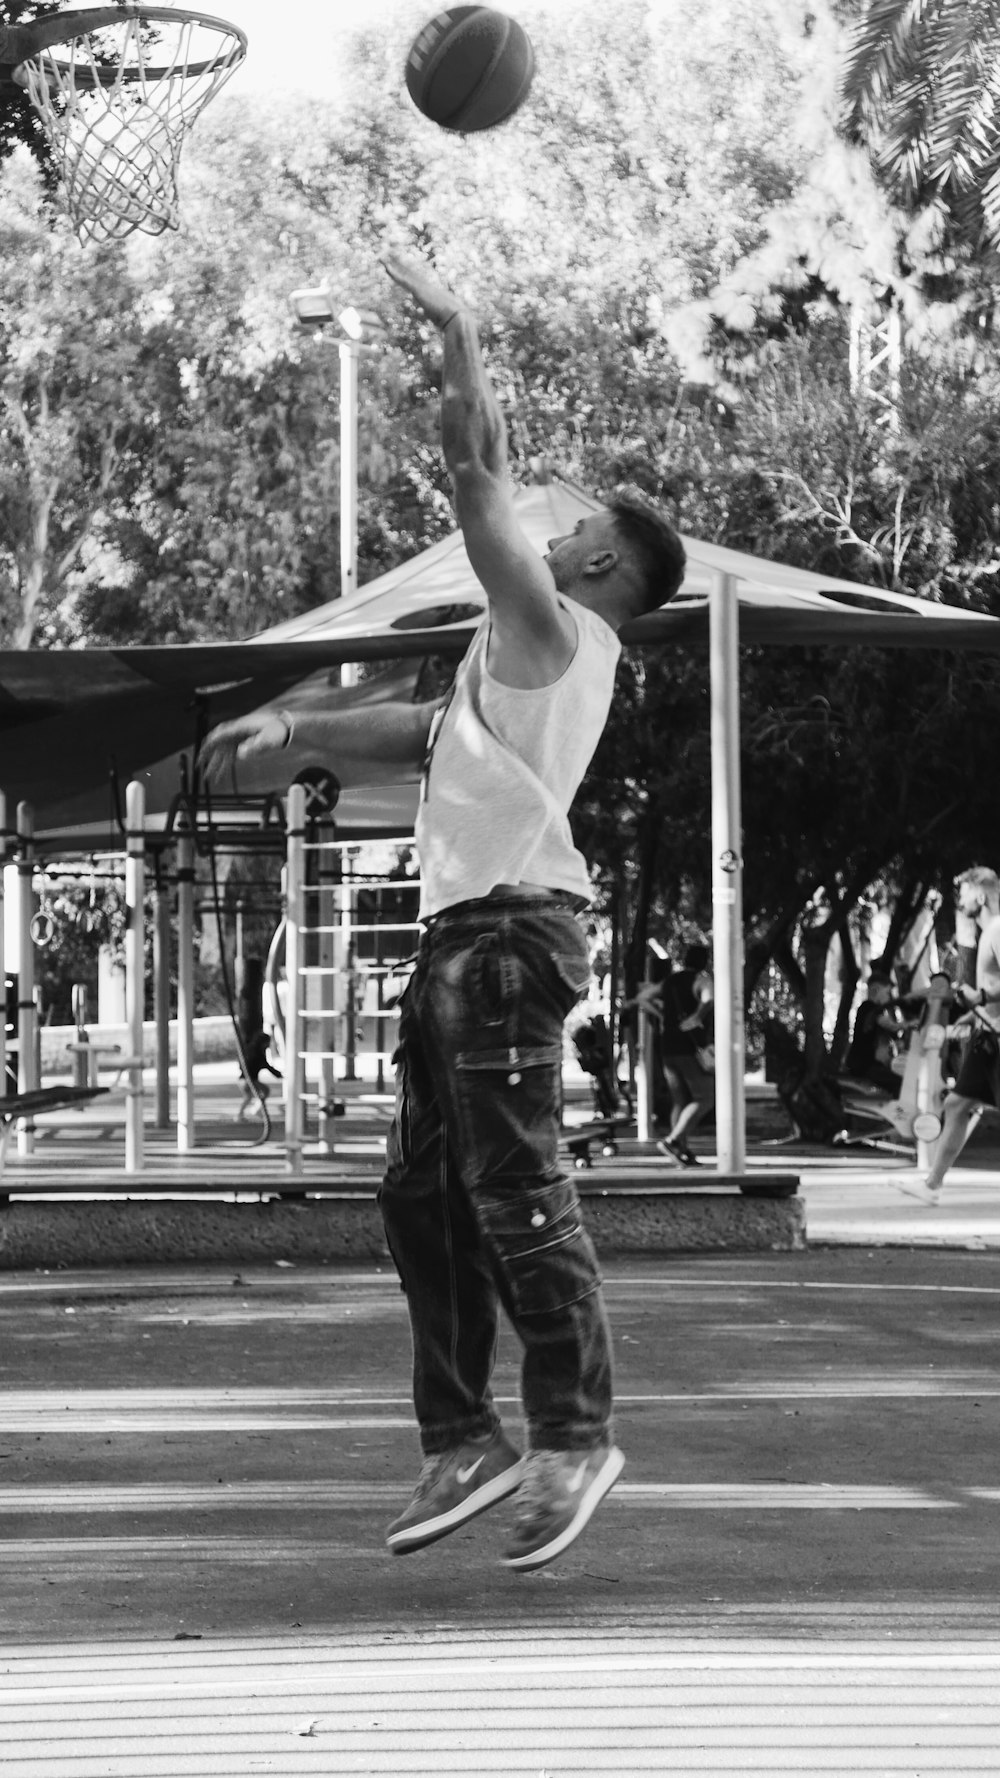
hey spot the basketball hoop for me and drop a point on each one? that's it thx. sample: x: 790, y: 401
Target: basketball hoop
x: 115, y: 89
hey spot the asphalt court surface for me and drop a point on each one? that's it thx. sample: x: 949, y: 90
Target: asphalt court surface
x: 811, y: 1442
x: 797, y: 1572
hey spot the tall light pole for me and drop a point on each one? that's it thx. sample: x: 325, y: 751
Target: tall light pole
x: 314, y: 310
x: 360, y: 327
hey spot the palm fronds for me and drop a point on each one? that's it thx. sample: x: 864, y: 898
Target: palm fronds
x: 922, y: 86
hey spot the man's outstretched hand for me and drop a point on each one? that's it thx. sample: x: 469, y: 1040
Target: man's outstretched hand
x: 438, y: 302
x: 244, y: 739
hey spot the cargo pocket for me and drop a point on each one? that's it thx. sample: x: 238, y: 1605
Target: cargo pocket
x: 509, y: 1102
x: 572, y: 966
x: 519, y: 1065
x: 538, y: 1239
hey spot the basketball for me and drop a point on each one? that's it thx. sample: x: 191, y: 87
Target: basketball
x: 470, y: 68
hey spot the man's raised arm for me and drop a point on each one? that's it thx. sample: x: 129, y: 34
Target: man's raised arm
x: 522, y: 593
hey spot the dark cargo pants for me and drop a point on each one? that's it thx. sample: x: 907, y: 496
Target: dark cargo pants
x: 477, y: 1211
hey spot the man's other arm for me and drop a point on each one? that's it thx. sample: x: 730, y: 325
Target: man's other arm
x: 349, y: 742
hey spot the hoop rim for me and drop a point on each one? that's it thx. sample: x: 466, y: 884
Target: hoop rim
x: 20, y: 43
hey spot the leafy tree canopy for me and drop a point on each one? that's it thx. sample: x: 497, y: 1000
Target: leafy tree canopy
x: 920, y: 88
x: 18, y: 121
x: 169, y: 444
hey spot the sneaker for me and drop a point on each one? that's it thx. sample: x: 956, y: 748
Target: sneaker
x: 924, y: 1194
x: 677, y: 1152
x: 454, y: 1486
x: 560, y: 1491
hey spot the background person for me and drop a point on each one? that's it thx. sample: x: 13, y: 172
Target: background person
x: 693, y: 1060
x: 877, y: 1032
x: 681, y: 1006
x: 978, y: 1080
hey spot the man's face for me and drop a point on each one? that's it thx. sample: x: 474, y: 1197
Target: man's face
x: 568, y: 556
x: 970, y: 899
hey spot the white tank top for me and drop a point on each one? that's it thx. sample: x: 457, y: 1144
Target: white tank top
x: 502, y: 769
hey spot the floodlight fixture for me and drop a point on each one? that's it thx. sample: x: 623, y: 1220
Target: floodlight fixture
x: 313, y: 308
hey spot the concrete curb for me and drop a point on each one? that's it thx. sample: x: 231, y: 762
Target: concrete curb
x: 347, y: 1228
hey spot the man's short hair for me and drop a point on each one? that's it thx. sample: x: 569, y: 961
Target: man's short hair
x: 981, y: 877
x: 655, y: 546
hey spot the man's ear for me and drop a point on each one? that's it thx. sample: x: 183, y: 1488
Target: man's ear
x: 601, y: 562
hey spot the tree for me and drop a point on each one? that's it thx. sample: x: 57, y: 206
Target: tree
x: 72, y: 404
x: 853, y: 760
x: 18, y: 120
x: 564, y: 251
x: 573, y: 260
x: 632, y: 198
x: 920, y: 88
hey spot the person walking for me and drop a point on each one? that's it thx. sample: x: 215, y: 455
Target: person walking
x: 681, y: 1006
x: 478, y: 1214
x: 977, y: 1083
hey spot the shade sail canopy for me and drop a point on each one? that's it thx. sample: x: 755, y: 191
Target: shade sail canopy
x: 435, y: 601
x: 75, y: 723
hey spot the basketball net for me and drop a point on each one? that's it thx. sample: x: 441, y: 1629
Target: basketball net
x: 115, y: 104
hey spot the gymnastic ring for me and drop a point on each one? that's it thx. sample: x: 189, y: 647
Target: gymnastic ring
x: 42, y: 928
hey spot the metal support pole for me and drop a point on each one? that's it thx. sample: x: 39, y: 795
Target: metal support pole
x: 727, y: 876
x: 3, y: 959
x: 349, y: 904
x: 644, y: 1107
x: 135, y: 969
x: 185, y: 987
x: 27, y: 1010
x: 294, y: 920
x: 161, y: 1001
x: 350, y: 352
x: 239, y: 956
x: 325, y: 951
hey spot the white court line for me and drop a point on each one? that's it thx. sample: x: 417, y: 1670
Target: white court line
x: 808, y: 1284
x: 64, y: 1417
x: 114, y: 1289
x: 135, y: 1423
x: 121, y: 1293
x: 153, y: 1497
x: 59, y: 1557
x: 366, y: 1644
x: 59, y: 1403
x: 376, y: 1669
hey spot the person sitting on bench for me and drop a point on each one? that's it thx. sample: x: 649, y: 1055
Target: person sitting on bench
x: 877, y: 1031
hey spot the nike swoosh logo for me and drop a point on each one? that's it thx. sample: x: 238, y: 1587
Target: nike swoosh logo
x: 575, y: 1482
x: 466, y: 1475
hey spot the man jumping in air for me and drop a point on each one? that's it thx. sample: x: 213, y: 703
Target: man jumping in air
x: 477, y: 1212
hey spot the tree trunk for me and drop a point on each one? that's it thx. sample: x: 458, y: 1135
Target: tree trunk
x: 650, y: 830
x: 848, y: 989
x: 815, y: 945
x: 788, y: 963
x: 33, y: 579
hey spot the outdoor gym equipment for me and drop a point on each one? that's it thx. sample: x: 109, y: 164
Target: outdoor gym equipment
x: 915, y: 1116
